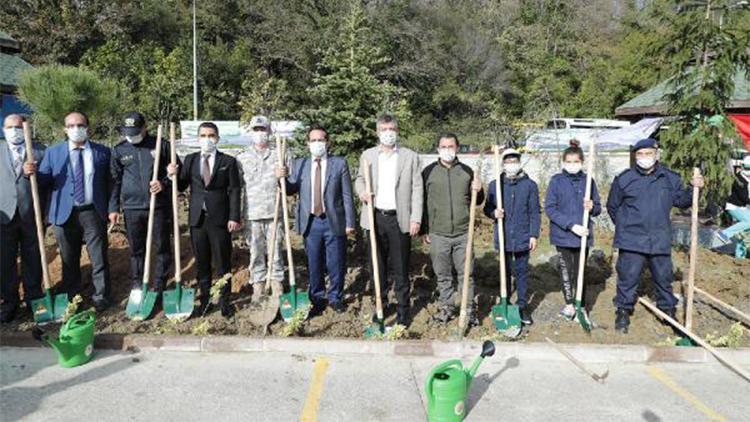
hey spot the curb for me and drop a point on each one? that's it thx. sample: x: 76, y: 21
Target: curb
x: 590, y: 353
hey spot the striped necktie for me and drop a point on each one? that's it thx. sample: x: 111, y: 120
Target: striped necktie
x: 79, y: 190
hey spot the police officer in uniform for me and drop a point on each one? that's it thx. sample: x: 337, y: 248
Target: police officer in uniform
x: 639, y: 204
x: 132, y: 167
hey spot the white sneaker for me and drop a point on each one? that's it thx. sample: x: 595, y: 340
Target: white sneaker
x: 568, y: 312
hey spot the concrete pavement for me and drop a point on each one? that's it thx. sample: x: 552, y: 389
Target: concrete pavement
x: 275, y: 386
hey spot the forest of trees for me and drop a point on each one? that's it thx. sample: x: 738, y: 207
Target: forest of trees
x: 476, y: 67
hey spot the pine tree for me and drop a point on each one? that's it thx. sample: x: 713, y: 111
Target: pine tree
x: 706, y: 47
x: 347, y: 95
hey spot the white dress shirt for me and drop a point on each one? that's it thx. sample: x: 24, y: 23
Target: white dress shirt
x: 385, y: 197
x: 313, y: 164
x: 211, y: 161
x: 88, y: 170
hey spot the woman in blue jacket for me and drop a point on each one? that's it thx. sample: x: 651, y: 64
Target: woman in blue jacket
x: 564, y: 205
x: 521, y: 217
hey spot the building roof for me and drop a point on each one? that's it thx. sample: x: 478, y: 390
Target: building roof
x: 652, y: 102
x: 8, y: 43
x: 10, y: 69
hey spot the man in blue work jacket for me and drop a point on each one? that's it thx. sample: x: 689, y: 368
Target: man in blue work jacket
x: 639, y: 204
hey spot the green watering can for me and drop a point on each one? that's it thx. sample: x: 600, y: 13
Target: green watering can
x: 76, y: 343
x: 448, y: 385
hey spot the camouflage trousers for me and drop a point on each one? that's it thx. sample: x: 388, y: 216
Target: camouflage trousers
x: 258, y: 236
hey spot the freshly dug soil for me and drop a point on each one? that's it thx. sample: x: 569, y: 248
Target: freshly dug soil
x: 721, y: 275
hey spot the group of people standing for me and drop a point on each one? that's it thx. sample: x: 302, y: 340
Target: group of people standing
x: 89, y: 185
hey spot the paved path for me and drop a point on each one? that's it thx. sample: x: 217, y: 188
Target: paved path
x: 185, y: 386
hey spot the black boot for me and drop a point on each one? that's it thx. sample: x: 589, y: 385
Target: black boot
x: 622, y: 320
x: 204, y: 299
x: 227, y: 309
x: 672, y: 312
x: 526, y: 316
x: 402, y: 316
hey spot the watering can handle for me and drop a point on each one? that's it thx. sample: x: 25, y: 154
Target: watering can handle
x: 440, y: 368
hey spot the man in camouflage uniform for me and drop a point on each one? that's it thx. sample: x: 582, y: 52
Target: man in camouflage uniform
x: 257, y: 166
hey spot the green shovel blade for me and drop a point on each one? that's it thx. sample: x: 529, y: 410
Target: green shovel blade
x: 376, y: 330
x: 505, y: 316
x: 583, y: 317
x: 140, y: 304
x: 684, y: 342
x: 47, y: 309
x: 290, y: 302
x: 178, y: 303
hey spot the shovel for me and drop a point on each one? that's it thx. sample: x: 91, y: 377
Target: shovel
x: 264, y: 312
x: 141, y: 301
x: 179, y: 302
x: 378, y: 328
x: 581, y: 313
x: 45, y: 309
x: 686, y: 341
x: 294, y: 301
x: 467, y: 264
x: 507, y: 318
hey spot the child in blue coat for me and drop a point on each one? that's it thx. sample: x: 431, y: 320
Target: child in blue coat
x: 521, y: 218
x: 564, y: 205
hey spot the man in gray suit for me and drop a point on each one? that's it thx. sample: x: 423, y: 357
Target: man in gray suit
x: 397, y: 196
x: 17, y: 225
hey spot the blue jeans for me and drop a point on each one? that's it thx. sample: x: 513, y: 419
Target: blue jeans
x: 325, y: 253
x: 517, y: 264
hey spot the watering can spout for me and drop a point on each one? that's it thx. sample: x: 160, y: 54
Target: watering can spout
x: 60, y: 347
x: 488, y: 349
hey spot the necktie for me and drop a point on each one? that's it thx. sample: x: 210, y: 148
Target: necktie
x: 317, y: 203
x: 18, y: 160
x: 79, y: 191
x: 206, y: 170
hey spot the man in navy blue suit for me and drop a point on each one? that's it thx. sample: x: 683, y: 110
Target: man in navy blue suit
x: 325, y: 216
x: 77, y: 171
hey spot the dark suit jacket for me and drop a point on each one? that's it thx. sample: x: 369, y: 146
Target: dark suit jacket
x: 337, y: 194
x: 15, y: 190
x: 55, y: 171
x: 222, y: 195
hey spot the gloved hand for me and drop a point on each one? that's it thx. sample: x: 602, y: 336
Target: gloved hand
x: 579, y: 230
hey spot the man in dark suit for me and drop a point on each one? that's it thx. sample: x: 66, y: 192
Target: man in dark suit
x: 325, y: 216
x: 214, y: 181
x: 77, y: 170
x: 17, y: 225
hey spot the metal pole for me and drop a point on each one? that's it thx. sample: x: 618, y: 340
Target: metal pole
x: 195, y: 67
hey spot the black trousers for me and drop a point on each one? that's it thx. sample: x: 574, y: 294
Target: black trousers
x: 569, y: 261
x: 394, y: 252
x: 212, y: 246
x: 15, y: 236
x: 136, y: 225
x: 84, y: 224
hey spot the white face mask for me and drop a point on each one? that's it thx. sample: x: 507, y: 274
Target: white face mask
x: 259, y: 138
x: 317, y: 148
x: 646, y: 162
x: 135, y: 139
x: 208, y: 145
x: 572, y: 168
x: 388, y: 137
x: 77, y: 135
x: 447, y: 154
x: 14, y: 135
x: 512, y: 169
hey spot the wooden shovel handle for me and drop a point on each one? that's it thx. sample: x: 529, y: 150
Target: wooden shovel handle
x: 586, y: 213
x: 281, y: 146
x: 467, y: 260
x: 373, y: 241
x: 37, y: 206
x: 175, y: 208
x: 693, y: 254
x: 500, y: 224
x: 151, y: 208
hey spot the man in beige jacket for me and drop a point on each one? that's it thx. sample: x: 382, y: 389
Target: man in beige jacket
x: 397, y: 196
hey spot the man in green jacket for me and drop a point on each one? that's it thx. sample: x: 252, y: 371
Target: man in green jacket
x: 448, y: 184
